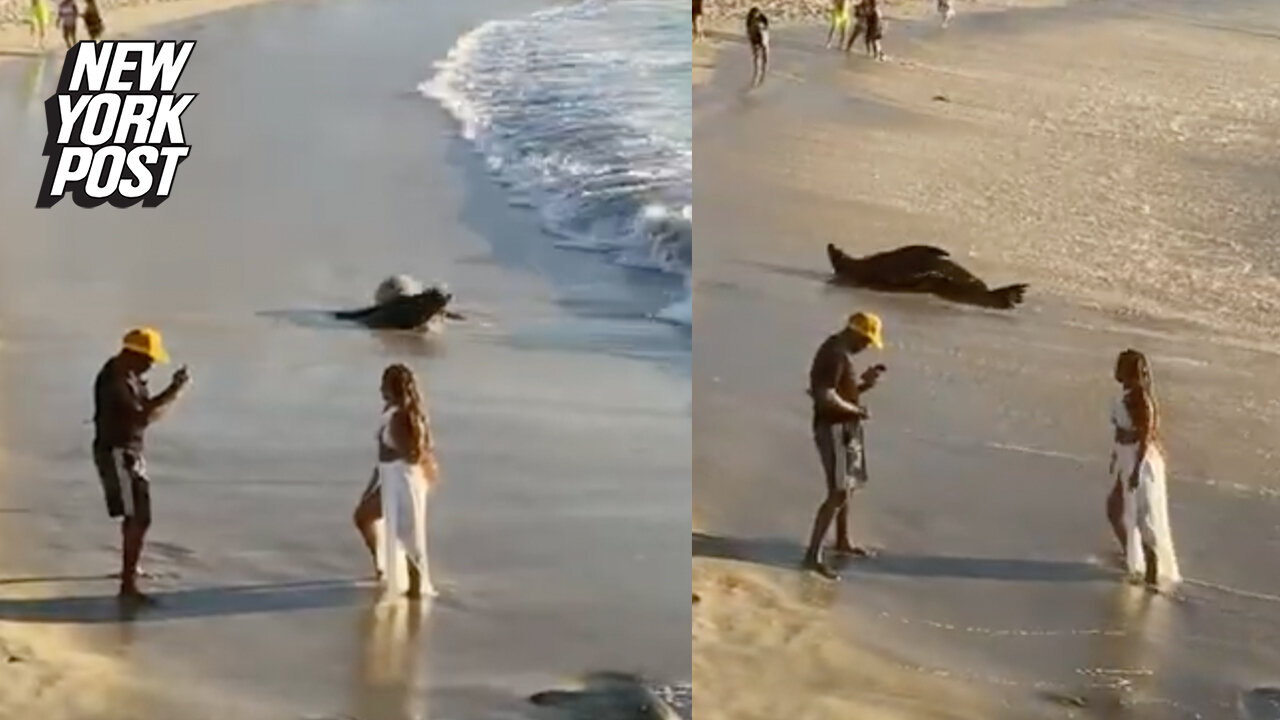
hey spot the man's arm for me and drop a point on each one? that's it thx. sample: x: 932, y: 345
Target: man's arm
x: 153, y: 408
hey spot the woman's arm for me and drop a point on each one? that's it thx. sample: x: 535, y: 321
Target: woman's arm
x: 401, y: 430
x: 412, y: 452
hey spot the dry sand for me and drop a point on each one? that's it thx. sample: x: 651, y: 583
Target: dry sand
x: 314, y: 174
x: 1121, y: 157
x: 16, y: 40
x: 45, y: 671
x: 728, y: 15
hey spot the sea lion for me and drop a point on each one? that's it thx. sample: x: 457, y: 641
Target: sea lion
x: 921, y: 269
x: 607, y: 696
x: 400, y: 303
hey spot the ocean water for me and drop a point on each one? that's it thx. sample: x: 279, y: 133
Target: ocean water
x: 583, y: 112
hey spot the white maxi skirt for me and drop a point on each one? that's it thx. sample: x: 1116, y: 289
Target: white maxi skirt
x: 403, y: 528
x: 1146, y: 512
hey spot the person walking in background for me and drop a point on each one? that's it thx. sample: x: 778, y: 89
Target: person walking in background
x: 946, y: 12
x: 758, y: 37
x: 123, y: 410
x: 697, y: 21
x: 875, y: 29
x: 859, y: 24
x: 68, y: 13
x: 839, y: 22
x: 837, y: 430
x: 1138, y: 507
x: 397, y: 492
x: 39, y: 19
x: 93, y: 20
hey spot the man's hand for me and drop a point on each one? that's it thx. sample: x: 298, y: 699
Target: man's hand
x: 181, y: 377
x: 872, y: 374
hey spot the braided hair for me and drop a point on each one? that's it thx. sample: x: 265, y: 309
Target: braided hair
x: 402, y: 386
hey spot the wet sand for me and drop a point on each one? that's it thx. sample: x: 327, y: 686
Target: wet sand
x: 562, y: 416
x: 1140, y: 208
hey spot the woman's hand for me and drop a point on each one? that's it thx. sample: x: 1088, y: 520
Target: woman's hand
x: 1133, y: 477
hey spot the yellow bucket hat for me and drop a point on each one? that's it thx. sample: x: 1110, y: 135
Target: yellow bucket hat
x: 868, y: 326
x: 146, y: 341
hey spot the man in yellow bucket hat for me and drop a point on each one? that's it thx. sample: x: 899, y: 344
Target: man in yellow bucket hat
x: 122, y: 411
x: 837, y: 430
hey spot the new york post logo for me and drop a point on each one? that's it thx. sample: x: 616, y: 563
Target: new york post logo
x: 115, y: 124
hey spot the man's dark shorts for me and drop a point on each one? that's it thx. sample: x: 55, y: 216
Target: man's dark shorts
x: 124, y: 483
x: 840, y: 447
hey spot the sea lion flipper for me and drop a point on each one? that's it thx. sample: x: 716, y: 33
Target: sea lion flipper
x: 1008, y: 296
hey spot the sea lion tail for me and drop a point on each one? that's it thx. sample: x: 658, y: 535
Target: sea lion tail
x: 1008, y: 296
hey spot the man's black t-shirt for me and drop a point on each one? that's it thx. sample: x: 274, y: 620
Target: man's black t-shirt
x: 832, y: 369
x: 119, y: 400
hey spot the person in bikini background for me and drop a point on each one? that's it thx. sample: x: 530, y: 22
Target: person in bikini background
x: 68, y: 15
x: 397, y: 492
x: 1138, y: 505
x: 758, y: 37
x: 123, y: 410
x: 838, y: 414
x: 839, y: 22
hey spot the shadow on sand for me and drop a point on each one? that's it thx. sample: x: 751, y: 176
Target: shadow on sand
x: 49, y: 579
x: 779, y: 553
x: 185, y: 604
x: 411, y: 343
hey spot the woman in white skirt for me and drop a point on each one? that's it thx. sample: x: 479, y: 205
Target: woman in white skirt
x: 396, y: 497
x: 1138, y: 507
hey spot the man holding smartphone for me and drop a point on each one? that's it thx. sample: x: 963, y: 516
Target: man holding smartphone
x: 122, y: 411
x: 837, y: 430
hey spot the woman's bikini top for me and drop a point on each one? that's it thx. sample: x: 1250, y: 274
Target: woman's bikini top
x: 387, y: 448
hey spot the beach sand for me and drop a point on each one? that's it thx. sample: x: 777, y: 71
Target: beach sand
x: 16, y: 41
x: 1120, y: 157
x: 318, y: 169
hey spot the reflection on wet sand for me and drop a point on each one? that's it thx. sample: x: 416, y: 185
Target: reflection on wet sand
x: 388, y: 682
x: 1126, y: 662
